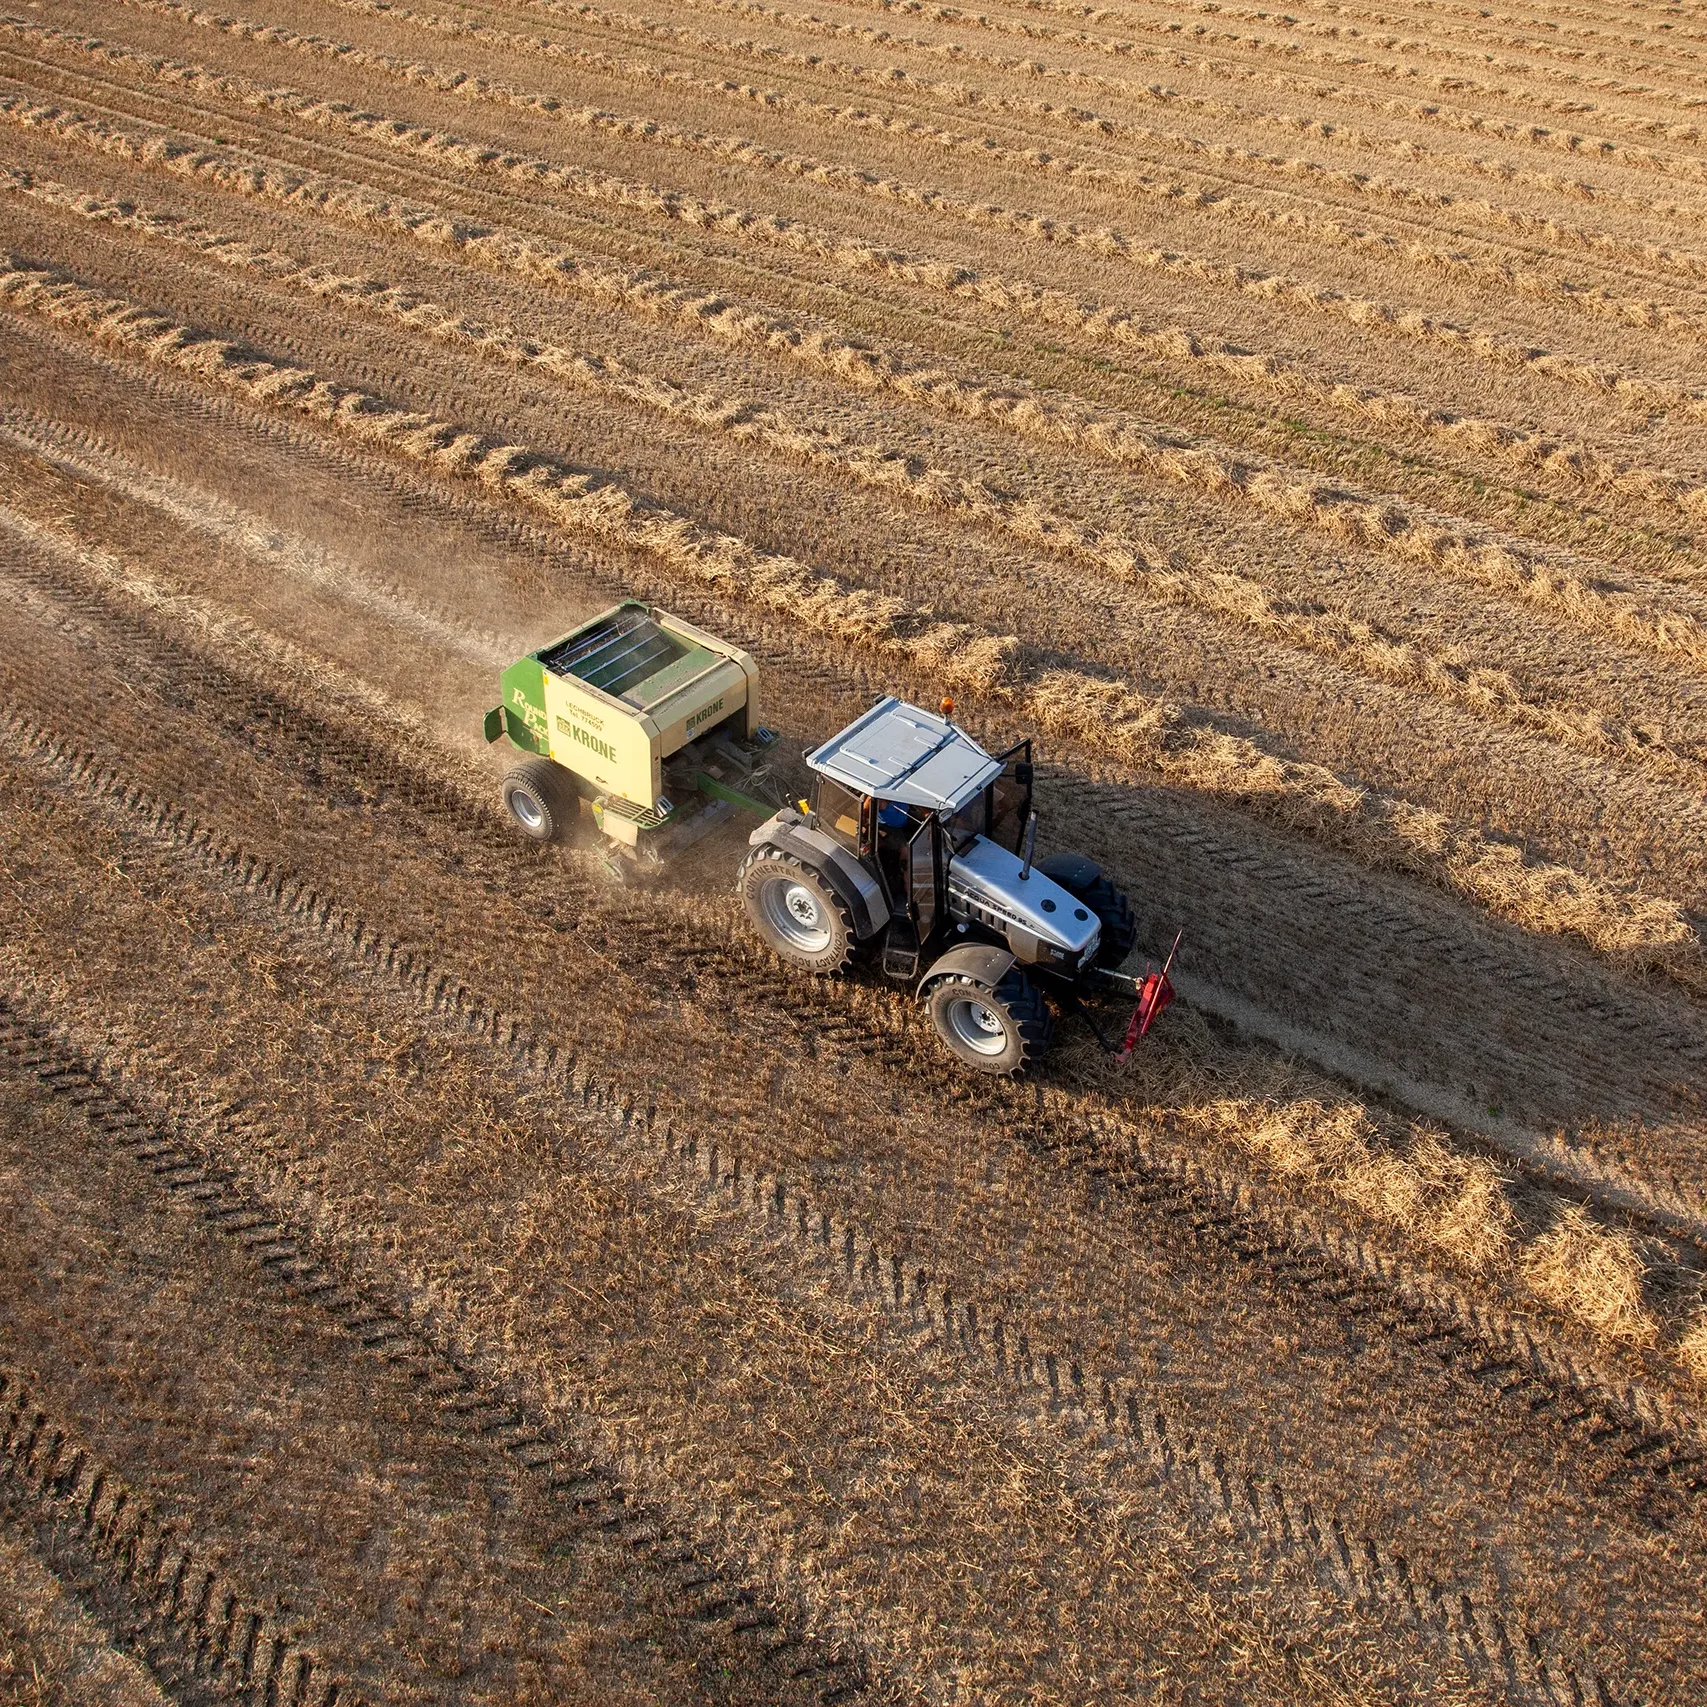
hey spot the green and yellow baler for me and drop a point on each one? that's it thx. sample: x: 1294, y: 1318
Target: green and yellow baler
x: 640, y: 719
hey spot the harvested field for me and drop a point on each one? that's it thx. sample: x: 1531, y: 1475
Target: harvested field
x: 437, y: 1272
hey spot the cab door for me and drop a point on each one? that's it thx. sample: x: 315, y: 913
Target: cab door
x: 1010, y: 797
x: 924, y: 877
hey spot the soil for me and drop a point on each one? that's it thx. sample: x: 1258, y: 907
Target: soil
x: 437, y: 1273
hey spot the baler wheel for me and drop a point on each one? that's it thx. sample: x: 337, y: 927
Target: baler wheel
x: 541, y: 799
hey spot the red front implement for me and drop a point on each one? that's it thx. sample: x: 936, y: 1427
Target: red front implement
x: 1154, y: 994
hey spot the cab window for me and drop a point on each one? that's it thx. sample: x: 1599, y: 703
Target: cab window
x: 839, y: 813
x: 968, y: 822
x: 1010, y: 797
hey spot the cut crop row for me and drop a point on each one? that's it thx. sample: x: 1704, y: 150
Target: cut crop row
x: 889, y: 469
x: 1318, y: 92
x: 1222, y: 155
x: 1438, y: 44
x: 1522, y: 94
x: 1532, y: 229
x: 1503, y: 278
x: 1217, y: 360
x: 1009, y: 294
x: 1382, y: 525
x: 1664, y: 1203
x: 1291, y: 123
x: 1544, y: 32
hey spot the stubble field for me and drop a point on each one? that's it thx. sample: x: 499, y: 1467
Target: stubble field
x: 435, y: 1274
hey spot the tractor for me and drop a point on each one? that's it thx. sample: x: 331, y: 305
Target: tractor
x: 902, y: 857
x: 914, y: 853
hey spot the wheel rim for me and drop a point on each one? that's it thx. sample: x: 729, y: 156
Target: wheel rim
x: 797, y: 916
x: 527, y: 811
x: 976, y: 1025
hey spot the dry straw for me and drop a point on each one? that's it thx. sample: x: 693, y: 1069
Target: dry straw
x: 1454, y: 1202
x: 1520, y: 447
x: 1137, y: 562
x: 1103, y: 716
x: 1289, y: 52
x: 1316, y: 92
x: 1293, y: 124
x: 1593, y: 1274
x: 1379, y: 524
x: 1692, y: 1347
x: 957, y: 96
x: 1417, y: 1183
x: 1502, y: 277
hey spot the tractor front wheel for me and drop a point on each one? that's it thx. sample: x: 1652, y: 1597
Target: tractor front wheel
x: 794, y: 909
x: 1001, y: 1030
x: 541, y: 799
x: 1119, y: 928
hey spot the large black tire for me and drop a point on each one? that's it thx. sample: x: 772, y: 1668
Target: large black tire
x: 1119, y: 928
x: 794, y: 909
x: 1002, y: 1031
x: 1083, y: 880
x: 541, y: 799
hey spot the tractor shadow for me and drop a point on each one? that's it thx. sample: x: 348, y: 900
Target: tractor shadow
x: 1380, y: 978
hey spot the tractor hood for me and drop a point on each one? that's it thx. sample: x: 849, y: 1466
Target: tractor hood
x: 985, y: 886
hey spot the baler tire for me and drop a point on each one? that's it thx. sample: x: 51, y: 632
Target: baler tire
x: 541, y: 799
x: 1119, y: 928
x: 796, y: 912
x: 1001, y: 1031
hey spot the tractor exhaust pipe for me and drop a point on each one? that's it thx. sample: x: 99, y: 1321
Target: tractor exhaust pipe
x: 1030, y: 845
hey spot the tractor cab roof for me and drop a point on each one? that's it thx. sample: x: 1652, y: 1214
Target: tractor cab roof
x: 898, y: 752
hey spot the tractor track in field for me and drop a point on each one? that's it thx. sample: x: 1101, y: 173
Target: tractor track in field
x: 1358, y: 1276
x: 1626, y: 1023
x: 1245, y: 1503
x: 191, y: 1628
x: 143, y: 1577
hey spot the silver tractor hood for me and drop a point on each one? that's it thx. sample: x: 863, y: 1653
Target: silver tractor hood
x: 1044, y: 924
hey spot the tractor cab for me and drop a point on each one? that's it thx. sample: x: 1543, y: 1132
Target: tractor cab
x: 909, y: 794
x: 916, y: 848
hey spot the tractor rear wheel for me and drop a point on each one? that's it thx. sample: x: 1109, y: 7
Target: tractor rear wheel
x: 1002, y: 1030
x: 541, y: 799
x: 795, y: 910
